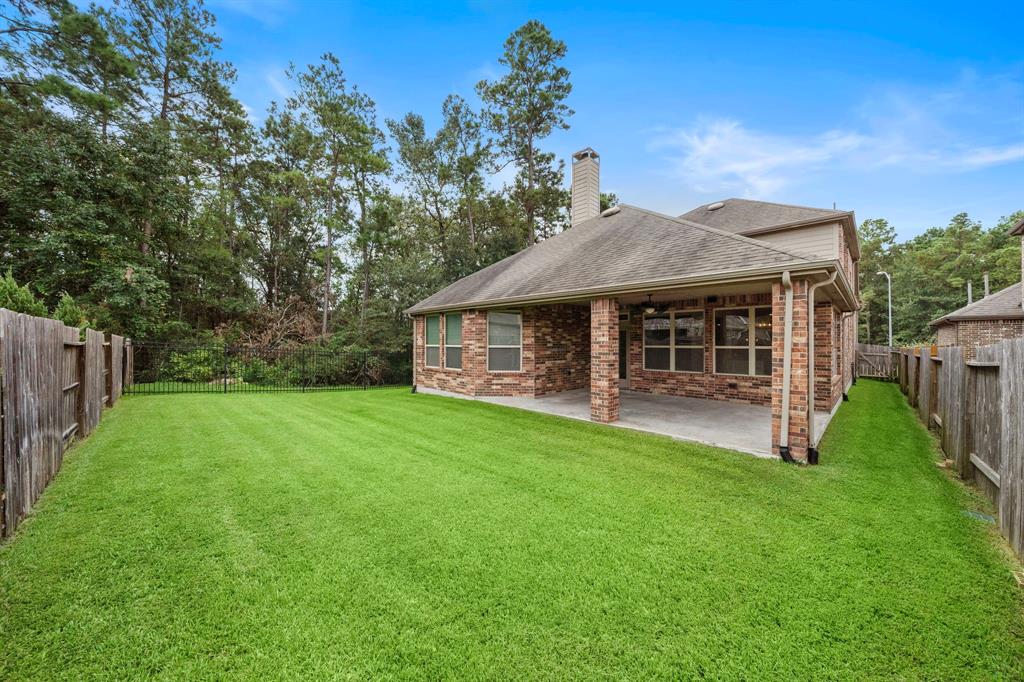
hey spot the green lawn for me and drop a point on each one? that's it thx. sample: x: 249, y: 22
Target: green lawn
x: 382, y: 534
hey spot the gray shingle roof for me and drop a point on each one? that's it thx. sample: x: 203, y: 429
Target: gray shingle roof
x: 742, y: 215
x: 1002, y: 305
x: 633, y: 247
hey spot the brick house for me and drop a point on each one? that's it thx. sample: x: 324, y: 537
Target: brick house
x: 989, y: 320
x: 714, y: 304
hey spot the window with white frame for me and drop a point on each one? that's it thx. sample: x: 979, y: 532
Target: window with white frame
x: 743, y: 341
x: 674, y: 341
x: 432, y: 347
x: 453, y: 341
x: 504, y: 342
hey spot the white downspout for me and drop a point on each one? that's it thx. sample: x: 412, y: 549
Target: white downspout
x: 811, y: 442
x: 787, y: 367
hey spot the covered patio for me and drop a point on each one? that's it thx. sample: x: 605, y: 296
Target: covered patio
x: 746, y: 428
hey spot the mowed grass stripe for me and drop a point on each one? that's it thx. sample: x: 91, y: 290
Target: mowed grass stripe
x: 372, y: 534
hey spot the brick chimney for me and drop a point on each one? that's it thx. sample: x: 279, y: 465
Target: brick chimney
x: 586, y: 185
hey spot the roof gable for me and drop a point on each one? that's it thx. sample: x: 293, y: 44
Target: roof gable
x: 631, y: 247
x: 1002, y: 305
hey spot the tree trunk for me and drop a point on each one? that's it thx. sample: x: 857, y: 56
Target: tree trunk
x: 328, y: 262
x: 147, y: 234
x: 531, y: 228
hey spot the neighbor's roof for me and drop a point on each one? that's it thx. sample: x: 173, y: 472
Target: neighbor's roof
x: 1018, y: 228
x: 631, y: 248
x: 1002, y: 305
x: 743, y: 216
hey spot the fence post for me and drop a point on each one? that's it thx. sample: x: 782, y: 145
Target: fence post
x: 82, y: 392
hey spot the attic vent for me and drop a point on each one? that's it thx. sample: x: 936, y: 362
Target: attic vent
x: 715, y: 206
x: 610, y: 211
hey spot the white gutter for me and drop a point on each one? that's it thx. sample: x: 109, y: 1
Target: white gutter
x: 787, y: 367
x: 811, y: 443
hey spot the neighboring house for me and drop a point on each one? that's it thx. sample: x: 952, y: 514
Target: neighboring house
x: 989, y: 320
x: 712, y: 304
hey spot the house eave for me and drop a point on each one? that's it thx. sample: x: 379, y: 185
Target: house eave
x: 808, y: 268
x: 974, y: 318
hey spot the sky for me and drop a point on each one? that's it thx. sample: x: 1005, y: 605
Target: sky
x: 911, y: 112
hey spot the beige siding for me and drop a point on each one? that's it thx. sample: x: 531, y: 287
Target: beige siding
x: 819, y: 240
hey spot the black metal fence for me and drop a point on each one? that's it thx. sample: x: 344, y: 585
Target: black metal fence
x: 168, y: 368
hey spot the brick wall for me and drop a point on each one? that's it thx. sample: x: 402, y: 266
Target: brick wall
x: 556, y: 354
x: 848, y: 348
x: 827, y: 328
x: 754, y: 390
x: 604, y: 365
x: 970, y: 334
x: 946, y: 334
x: 562, y: 348
x: 473, y: 378
x: 798, y: 423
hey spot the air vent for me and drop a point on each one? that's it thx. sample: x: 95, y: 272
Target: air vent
x: 715, y: 206
x: 610, y: 211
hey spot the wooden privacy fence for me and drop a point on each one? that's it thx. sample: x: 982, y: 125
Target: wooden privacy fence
x: 876, y: 361
x: 977, y: 407
x: 54, y: 383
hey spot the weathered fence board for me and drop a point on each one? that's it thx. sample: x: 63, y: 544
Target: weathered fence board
x: 116, y: 362
x: 1011, y: 471
x: 912, y: 364
x: 94, y: 381
x: 50, y: 391
x: 876, y: 361
x: 924, y: 387
x: 985, y: 423
x: 952, y: 383
x: 978, y: 408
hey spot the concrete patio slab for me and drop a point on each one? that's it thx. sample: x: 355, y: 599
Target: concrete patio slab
x: 746, y: 428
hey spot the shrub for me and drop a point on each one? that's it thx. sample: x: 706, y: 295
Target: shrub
x: 20, y: 299
x: 195, y: 366
x: 69, y: 312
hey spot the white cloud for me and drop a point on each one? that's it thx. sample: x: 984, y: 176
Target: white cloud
x: 277, y: 81
x: 270, y: 13
x: 971, y: 125
x: 721, y: 154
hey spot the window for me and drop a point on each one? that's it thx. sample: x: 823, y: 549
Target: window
x: 674, y: 342
x: 504, y: 342
x: 743, y: 341
x: 453, y: 341
x: 432, y: 350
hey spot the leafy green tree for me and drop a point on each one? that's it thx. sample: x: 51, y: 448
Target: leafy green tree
x: 930, y: 272
x: 523, y: 107
x: 279, y: 210
x: 877, y: 244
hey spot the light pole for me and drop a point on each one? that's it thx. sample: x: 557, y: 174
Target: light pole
x: 888, y: 280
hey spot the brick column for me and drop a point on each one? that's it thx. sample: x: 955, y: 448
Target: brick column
x: 604, y: 360
x: 798, y: 439
x: 824, y: 341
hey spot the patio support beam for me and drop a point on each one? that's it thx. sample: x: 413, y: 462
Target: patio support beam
x: 604, y: 360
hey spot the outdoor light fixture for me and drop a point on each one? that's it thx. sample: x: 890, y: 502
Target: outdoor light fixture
x: 649, y: 309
